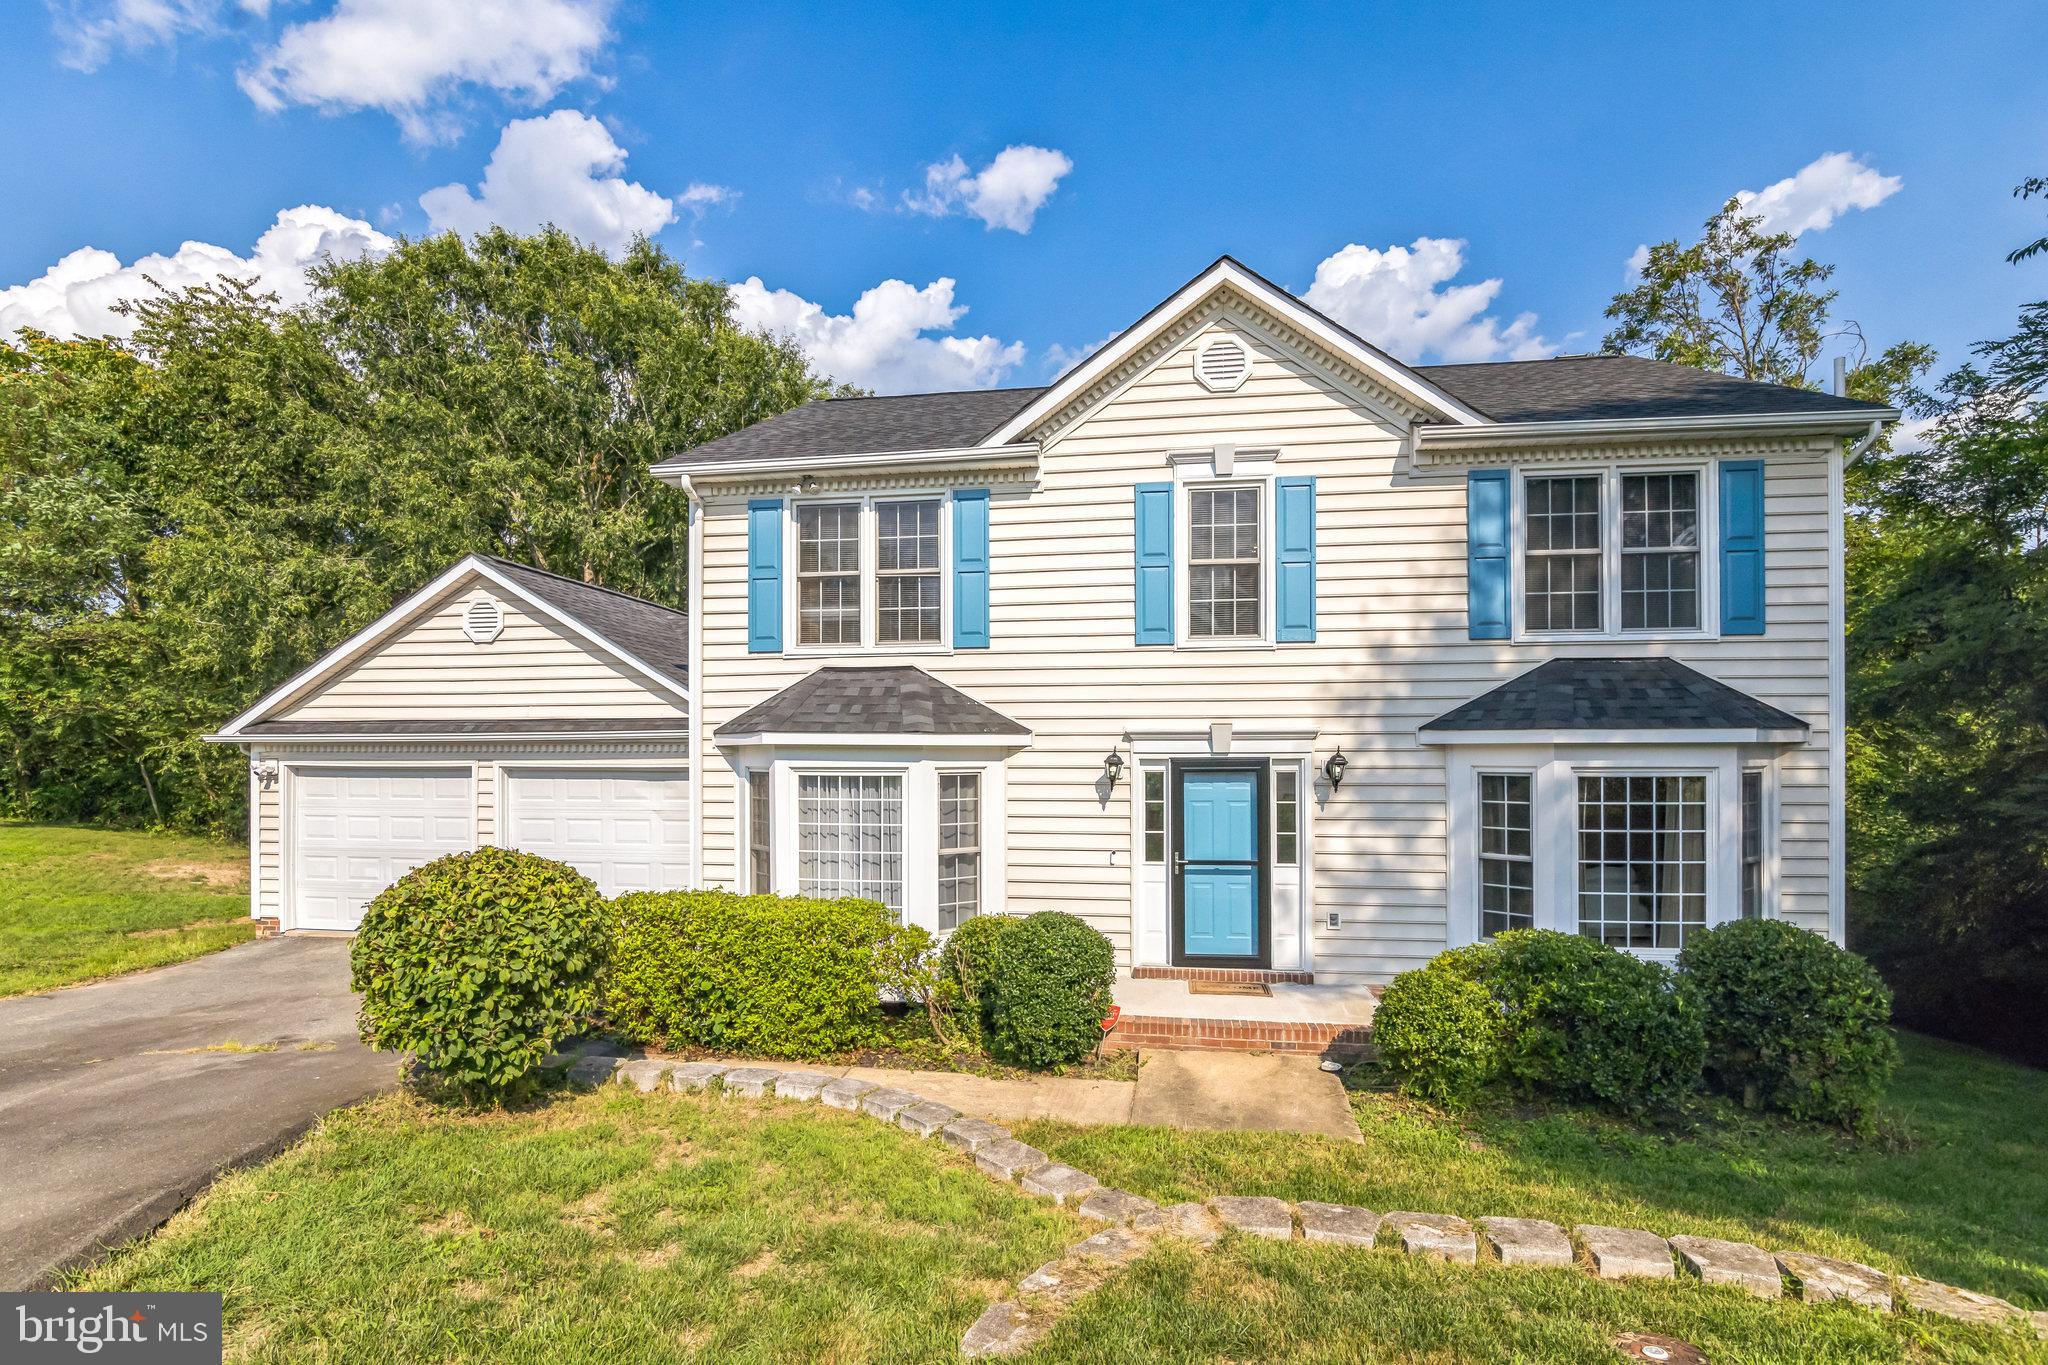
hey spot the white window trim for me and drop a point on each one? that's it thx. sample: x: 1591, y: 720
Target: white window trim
x: 870, y: 590
x: 1768, y: 880
x: 1554, y: 821
x: 942, y: 772
x: 1479, y: 774
x: 1224, y: 466
x: 1610, y: 550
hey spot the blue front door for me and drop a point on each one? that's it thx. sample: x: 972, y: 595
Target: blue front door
x: 1219, y: 863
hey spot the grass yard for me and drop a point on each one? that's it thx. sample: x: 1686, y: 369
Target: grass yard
x: 78, y: 903
x: 619, y: 1227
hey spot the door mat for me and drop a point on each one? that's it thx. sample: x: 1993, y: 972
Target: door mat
x: 1228, y: 988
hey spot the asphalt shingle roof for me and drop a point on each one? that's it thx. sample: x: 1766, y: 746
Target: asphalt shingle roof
x: 1614, y: 694
x: 656, y: 635
x: 892, y: 699
x: 1569, y: 388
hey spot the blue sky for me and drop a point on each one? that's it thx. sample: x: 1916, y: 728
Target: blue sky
x: 1470, y: 181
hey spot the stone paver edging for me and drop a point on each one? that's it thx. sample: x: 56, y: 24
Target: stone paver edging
x: 1012, y: 1325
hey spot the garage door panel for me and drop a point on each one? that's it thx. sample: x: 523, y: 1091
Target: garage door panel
x: 357, y: 831
x: 625, y: 829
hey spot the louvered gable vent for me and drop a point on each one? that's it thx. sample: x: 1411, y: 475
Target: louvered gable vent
x: 484, y: 621
x: 1222, y: 364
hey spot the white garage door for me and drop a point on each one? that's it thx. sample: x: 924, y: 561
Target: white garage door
x: 627, y: 829
x: 357, y: 830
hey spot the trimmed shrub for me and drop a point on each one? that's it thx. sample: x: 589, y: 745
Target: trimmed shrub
x: 1793, y: 1023
x: 781, y: 976
x: 1051, y: 980
x: 1438, y: 1030
x: 967, y: 966
x: 1589, y: 1022
x: 478, y: 963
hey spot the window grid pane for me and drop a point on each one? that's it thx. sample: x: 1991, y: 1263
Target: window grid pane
x: 1642, y: 860
x: 850, y: 836
x: 1561, y: 556
x: 1286, y: 816
x: 1660, y: 559
x: 907, y: 572
x: 828, y: 574
x: 759, y: 860
x: 1223, y: 563
x: 1155, y: 817
x: 1507, y: 865
x: 959, y: 848
x: 1752, y: 845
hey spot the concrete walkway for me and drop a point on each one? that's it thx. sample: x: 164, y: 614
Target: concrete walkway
x: 118, y: 1103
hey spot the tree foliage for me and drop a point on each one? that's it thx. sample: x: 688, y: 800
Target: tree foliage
x: 190, y: 517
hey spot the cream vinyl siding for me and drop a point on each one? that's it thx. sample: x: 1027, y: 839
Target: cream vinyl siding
x: 1391, y: 652
x: 534, y: 670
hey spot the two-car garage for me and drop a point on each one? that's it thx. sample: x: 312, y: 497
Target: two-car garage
x: 502, y: 706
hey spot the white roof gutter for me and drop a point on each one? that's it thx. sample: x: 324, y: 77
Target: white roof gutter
x: 676, y: 470
x: 1446, y: 438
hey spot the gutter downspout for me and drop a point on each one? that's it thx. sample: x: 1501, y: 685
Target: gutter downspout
x: 1870, y: 438
x: 693, y: 746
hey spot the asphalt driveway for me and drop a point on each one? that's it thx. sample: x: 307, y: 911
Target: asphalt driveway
x: 118, y: 1103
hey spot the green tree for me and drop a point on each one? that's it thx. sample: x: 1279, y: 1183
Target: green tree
x: 2027, y: 189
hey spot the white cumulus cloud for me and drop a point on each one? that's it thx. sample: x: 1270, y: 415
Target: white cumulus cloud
x: 76, y: 296
x: 563, y: 169
x: 882, y: 344
x: 412, y: 58
x: 88, y: 31
x: 1811, y: 198
x: 1006, y: 193
x: 1401, y: 299
x: 700, y: 198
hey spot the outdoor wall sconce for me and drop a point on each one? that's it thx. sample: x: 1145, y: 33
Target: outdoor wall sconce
x: 1113, y: 767
x: 1334, y: 769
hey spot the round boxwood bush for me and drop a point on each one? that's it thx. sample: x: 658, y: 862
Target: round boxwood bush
x: 1589, y: 1022
x: 1793, y: 1023
x: 1051, y: 982
x: 1439, y: 1031
x: 967, y: 966
x: 777, y: 976
x: 478, y: 963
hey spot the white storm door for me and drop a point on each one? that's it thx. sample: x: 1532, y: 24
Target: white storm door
x: 357, y: 830
x: 627, y: 829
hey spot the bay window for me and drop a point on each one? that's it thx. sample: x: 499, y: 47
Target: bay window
x: 760, y: 848
x: 850, y: 836
x: 1507, y: 854
x: 1642, y: 859
x: 959, y: 848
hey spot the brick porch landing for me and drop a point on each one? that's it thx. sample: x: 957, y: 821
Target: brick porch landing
x: 1327, y: 1019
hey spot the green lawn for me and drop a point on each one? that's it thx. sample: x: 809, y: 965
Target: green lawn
x: 619, y: 1227
x: 77, y: 903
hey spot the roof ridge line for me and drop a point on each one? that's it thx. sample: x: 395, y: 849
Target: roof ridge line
x: 579, y: 583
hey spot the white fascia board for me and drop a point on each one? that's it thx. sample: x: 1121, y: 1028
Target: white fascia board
x: 1336, y: 339
x: 1426, y: 735
x: 782, y: 739
x: 1451, y: 438
x: 402, y: 614
x: 678, y: 469
x: 340, y: 736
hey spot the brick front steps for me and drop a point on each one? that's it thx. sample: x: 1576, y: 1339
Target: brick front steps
x: 1496, y: 1245
x: 1236, y: 976
x: 1342, y: 1041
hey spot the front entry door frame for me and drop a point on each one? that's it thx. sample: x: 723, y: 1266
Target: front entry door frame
x: 1262, y: 796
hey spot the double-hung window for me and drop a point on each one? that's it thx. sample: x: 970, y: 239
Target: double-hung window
x: 1225, y: 573
x: 1613, y: 552
x: 959, y: 848
x: 760, y: 845
x: 850, y: 836
x: 1752, y: 843
x: 907, y: 572
x: 1507, y: 862
x: 828, y: 573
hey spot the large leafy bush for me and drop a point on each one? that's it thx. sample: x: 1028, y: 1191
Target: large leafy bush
x: 1051, y: 985
x: 779, y: 976
x: 966, y: 975
x: 1440, y: 1031
x: 1568, y: 1017
x: 1793, y: 1023
x: 477, y: 963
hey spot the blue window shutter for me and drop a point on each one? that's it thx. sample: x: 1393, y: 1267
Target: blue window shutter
x: 1296, y: 540
x: 970, y: 568
x: 1742, y: 547
x: 1155, y: 563
x: 764, y: 576
x: 1486, y: 554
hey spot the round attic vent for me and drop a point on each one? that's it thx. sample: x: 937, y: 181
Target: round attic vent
x: 1222, y: 364
x: 483, y: 621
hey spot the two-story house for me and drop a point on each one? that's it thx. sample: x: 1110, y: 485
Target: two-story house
x: 1255, y: 647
